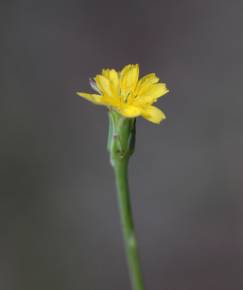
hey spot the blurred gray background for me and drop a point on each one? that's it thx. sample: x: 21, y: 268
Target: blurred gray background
x: 59, y: 227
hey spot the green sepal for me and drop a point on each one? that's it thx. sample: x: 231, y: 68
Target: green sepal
x: 121, y: 136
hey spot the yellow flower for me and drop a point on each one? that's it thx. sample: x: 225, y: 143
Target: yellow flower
x: 125, y: 93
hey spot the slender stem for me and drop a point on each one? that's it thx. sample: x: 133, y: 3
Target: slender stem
x: 120, y: 166
x: 121, y: 144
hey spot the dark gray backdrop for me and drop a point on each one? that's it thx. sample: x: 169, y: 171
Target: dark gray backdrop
x: 59, y: 227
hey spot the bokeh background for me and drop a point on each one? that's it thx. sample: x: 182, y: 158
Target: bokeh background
x: 59, y: 226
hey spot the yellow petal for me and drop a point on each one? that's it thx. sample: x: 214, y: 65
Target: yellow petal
x: 111, y: 101
x: 129, y: 111
x: 96, y: 99
x: 145, y: 82
x: 114, y: 81
x: 128, y: 79
x: 153, y: 114
x: 100, y: 99
x: 152, y: 93
x: 105, y: 73
x: 112, y: 76
x: 125, y: 70
x: 103, y: 84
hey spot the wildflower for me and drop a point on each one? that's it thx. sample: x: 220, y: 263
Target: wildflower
x: 126, y: 94
x: 126, y: 97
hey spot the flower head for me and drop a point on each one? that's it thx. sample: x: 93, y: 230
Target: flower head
x: 125, y: 93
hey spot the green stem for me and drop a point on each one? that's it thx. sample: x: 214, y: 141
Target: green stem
x: 120, y: 167
x: 121, y: 144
